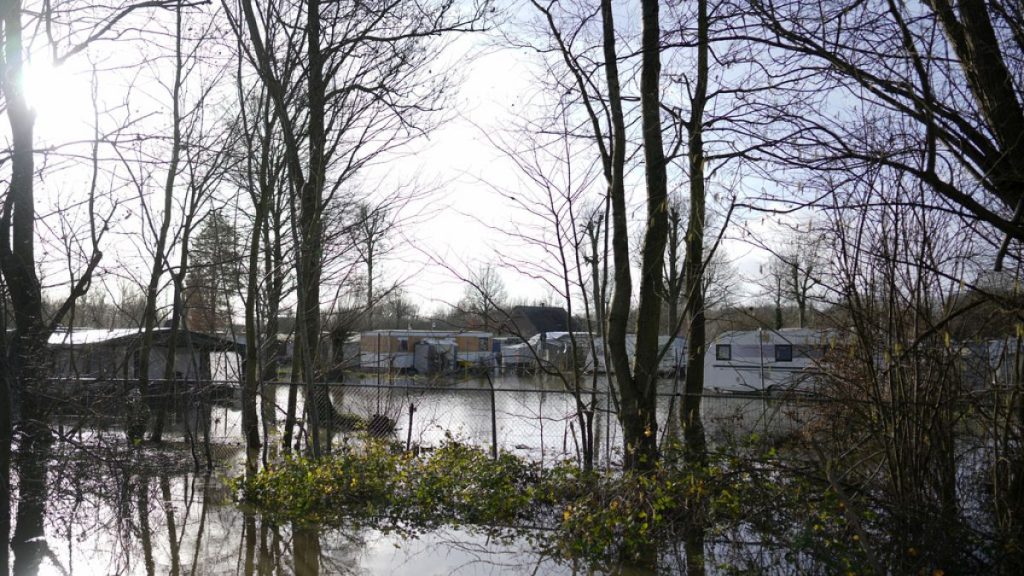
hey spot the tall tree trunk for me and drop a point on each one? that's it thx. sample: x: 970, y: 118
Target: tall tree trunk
x: 6, y: 437
x: 693, y: 427
x: 177, y: 322
x: 594, y: 235
x: 170, y: 380
x: 637, y: 391
x: 653, y: 252
x: 310, y: 189
x: 27, y: 345
x: 289, y: 415
x: 253, y: 370
x: 274, y: 270
x: 310, y: 257
x: 370, y: 304
x: 618, y: 313
x: 17, y: 241
x: 136, y: 430
x: 260, y: 193
x: 674, y: 284
x: 275, y: 274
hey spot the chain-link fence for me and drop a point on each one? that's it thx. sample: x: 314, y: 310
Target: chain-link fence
x: 534, y: 417
x: 542, y: 424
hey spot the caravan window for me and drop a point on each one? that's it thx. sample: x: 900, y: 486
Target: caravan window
x: 723, y: 352
x: 783, y: 352
x: 403, y: 344
x: 483, y: 344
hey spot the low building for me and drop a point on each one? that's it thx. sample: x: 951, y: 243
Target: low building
x: 100, y: 354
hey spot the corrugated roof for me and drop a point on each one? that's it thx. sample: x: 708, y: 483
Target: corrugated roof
x: 96, y: 336
x: 83, y: 336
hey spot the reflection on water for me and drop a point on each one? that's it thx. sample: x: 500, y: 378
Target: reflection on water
x: 112, y: 509
x: 534, y: 416
x: 186, y: 524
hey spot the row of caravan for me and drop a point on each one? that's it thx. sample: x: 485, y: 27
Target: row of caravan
x: 424, y: 351
x: 736, y: 361
x: 740, y: 361
x: 555, y: 351
x: 794, y: 359
x: 751, y: 361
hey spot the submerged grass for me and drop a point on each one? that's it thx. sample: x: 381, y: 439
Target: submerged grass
x: 599, y: 518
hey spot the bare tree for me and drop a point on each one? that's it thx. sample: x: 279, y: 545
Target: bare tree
x: 397, y: 310
x: 793, y: 274
x: 24, y: 350
x: 356, y: 108
x: 485, y: 296
x: 898, y: 377
x: 158, y: 265
x: 605, y: 118
x: 370, y: 230
x: 195, y: 165
x: 944, y: 72
x: 693, y: 428
x: 261, y: 168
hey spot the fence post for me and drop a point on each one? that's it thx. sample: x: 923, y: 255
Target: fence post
x: 608, y: 427
x: 494, y: 419
x: 329, y: 444
x: 408, y: 436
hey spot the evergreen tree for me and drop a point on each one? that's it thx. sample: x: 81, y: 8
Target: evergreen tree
x: 214, y: 275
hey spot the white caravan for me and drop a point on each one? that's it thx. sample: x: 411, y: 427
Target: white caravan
x: 674, y: 360
x: 756, y: 361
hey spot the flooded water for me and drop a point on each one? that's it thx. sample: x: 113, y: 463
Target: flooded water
x: 185, y: 524
x: 534, y: 416
x: 100, y: 521
x: 111, y: 509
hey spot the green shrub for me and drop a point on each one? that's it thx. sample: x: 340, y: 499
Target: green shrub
x: 599, y: 518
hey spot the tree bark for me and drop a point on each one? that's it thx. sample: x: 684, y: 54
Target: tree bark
x: 27, y: 345
x: 693, y: 428
x: 310, y: 249
x: 137, y: 430
x: 645, y: 375
x: 618, y: 313
x: 674, y: 284
x: 257, y: 178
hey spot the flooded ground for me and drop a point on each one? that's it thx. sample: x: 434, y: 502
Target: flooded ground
x: 187, y: 525
x: 112, y: 509
x: 534, y: 416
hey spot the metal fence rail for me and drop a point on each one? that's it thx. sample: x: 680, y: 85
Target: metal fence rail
x: 535, y: 418
x: 538, y: 423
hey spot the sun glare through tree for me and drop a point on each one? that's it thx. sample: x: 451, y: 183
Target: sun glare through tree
x: 517, y: 286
